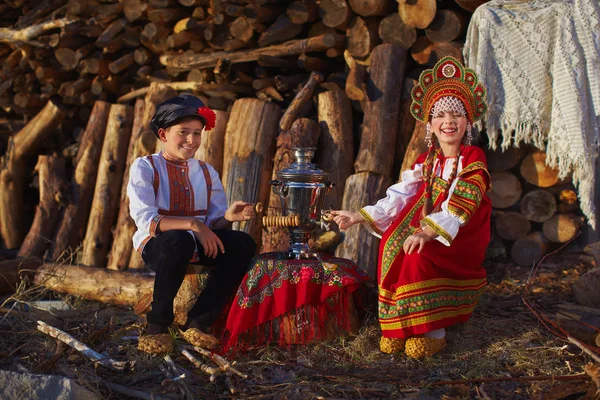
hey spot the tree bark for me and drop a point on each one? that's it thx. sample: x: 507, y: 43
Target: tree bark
x: 71, y: 229
x: 538, y: 205
x: 97, y: 284
x: 52, y: 182
x: 382, y: 106
x: 512, y: 226
x: 303, y: 96
x: 336, y: 144
x: 406, y: 126
x: 96, y: 244
x: 187, y: 62
x: 249, y: 149
x: 213, y: 143
x: 13, y: 169
x: 535, y: 171
x: 530, y: 249
x: 360, y: 245
x: 303, y: 133
x: 506, y: 189
x: 415, y: 148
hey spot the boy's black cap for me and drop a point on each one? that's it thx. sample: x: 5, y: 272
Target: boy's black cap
x: 184, y: 105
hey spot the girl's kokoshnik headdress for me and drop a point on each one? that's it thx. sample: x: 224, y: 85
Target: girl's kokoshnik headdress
x: 448, y: 78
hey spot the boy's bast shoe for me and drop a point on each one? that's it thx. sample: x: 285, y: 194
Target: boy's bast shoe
x: 156, y: 340
x: 391, y: 345
x: 196, y: 337
x: 421, y: 347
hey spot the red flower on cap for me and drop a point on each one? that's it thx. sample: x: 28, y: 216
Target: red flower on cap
x: 209, y: 116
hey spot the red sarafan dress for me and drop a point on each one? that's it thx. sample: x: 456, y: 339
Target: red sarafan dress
x: 440, y: 286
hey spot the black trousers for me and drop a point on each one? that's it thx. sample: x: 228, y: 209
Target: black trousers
x: 168, y: 255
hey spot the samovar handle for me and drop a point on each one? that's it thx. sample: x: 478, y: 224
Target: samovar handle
x: 279, y: 187
x: 330, y: 185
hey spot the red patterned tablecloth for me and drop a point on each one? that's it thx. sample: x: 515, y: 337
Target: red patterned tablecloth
x: 273, y: 288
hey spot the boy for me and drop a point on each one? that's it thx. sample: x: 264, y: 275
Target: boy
x: 180, y: 209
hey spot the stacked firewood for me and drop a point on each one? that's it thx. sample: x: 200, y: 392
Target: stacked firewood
x: 87, y: 76
x: 534, y: 211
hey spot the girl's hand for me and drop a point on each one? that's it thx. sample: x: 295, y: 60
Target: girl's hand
x: 240, y: 211
x: 417, y: 241
x: 208, y: 239
x: 345, y: 219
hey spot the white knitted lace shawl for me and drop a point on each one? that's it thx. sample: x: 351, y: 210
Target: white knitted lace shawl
x: 540, y: 63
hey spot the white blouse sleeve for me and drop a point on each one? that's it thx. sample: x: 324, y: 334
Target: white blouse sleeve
x: 380, y: 216
x: 142, y: 200
x: 444, y: 223
x: 218, y: 200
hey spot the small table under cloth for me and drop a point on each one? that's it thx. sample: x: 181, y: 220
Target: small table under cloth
x: 294, y: 301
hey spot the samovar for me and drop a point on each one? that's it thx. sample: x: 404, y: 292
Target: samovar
x: 302, y: 189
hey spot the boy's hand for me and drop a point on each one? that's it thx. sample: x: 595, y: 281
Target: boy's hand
x: 209, y: 240
x: 345, y: 219
x: 240, y: 211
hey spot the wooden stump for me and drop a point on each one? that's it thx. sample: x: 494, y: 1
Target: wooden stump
x: 13, y: 170
x: 336, y: 143
x: 538, y: 205
x: 536, y: 172
x: 382, y: 106
x: 96, y: 244
x: 359, y: 244
x: 194, y: 282
x: 512, y: 226
x: 304, y: 133
x: 12, y: 271
x: 249, y: 149
x: 415, y: 148
x: 562, y: 227
x: 71, y: 229
x: 52, y: 179
x: 530, y: 249
x: 506, y: 189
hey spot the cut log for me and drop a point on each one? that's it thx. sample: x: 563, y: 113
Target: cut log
x: 530, y: 249
x: 359, y: 245
x: 382, y: 107
x: 417, y: 13
x: 12, y: 271
x: 562, y: 227
x: 371, y: 8
x: 567, y: 201
x: 52, y: 182
x: 585, y: 289
x: 302, y: 11
x: 535, y: 171
x: 281, y: 30
x: 421, y: 50
x: 393, y: 30
x: 406, y: 126
x: 96, y: 244
x: 97, y: 284
x: 186, y: 62
x: 13, y: 169
x: 71, y: 229
x: 302, y: 97
x: 538, y: 205
x: 498, y: 160
x: 448, y: 25
x: 248, y: 161
x: 242, y: 29
x: 336, y: 144
x: 506, y: 189
x: 312, y: 63
x: 303, y: 133
x: 512, y: 226
x: 470, y: 5
x: 134, y: 9
x: 356, y: 81
x: 580, y: 322
x: 142, y: 143
x: 335, y: 13
x: 415, y: 148
x: 213, y: 143
x: 443, y: 49
x: 362, y: 36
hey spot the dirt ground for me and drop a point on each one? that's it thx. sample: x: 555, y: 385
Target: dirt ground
x: 504, y: 352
